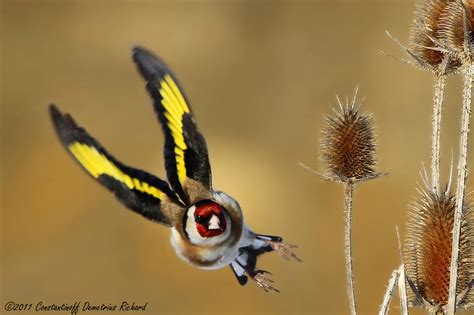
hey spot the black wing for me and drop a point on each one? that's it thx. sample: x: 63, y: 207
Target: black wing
x: 138, y: 190
x: 186, y: 154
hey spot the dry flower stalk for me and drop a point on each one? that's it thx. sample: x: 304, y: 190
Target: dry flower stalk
x: 461, y: 188
x: 387, y: 298
x: 402, y: 290
x: 427, y: 251
x: 396, y: 279
x: 348, y: 157
x: 348, y: 191
x: 457, y: 33
x: 438, y: 96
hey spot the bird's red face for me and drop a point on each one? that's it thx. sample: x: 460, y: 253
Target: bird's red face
x: 209, y: 218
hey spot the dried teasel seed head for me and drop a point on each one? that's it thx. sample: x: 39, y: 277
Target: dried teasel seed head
x: 452, y: 28
x: 427, y: 250
x: 425, y: 38
x: 348, y: 145
x: 426, y: 25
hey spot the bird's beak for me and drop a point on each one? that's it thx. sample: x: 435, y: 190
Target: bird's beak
x: 214, y: 223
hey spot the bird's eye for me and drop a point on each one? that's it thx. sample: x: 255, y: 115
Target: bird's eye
x: 199, y: 219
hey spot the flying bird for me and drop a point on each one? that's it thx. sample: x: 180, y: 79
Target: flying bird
x: 207, y: 226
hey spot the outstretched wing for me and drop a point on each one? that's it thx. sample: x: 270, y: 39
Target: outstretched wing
x: 138, y: 190
x: 186, y: 154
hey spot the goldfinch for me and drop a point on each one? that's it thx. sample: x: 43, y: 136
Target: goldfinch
x: 207, y: 226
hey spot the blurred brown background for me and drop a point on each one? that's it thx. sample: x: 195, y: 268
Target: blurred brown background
x: 260, y: 76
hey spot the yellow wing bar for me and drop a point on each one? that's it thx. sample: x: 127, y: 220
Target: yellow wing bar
x: 138, y: 190
x: 185, y: 151
x: 175, y: 107
x: 98, y: 164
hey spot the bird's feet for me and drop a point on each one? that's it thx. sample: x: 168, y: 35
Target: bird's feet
x: 284, y: 250
x: 263, y: 279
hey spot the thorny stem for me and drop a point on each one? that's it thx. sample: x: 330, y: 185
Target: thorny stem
x: 392, y: 282
x: 460, y: 189
x: 348, y: 190
x: 402, y: 290
x: 440, y: 82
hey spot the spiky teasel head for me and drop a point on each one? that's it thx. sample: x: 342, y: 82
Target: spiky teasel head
x: 427, y: 251
x: 348, y: 145
x: 425, y: 40
x: 457, y: 18
x: 425, y: 28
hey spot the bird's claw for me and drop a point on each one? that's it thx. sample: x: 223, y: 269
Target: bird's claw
x: 284, y: 250
x: 263, y: 279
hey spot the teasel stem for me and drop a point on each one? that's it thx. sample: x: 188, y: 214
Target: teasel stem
x: 398, y: 278
x: 440, y: 82
x: 461, y: 187
x: 348, y: 190
x: 392, y: 282
x: 402, y: 290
